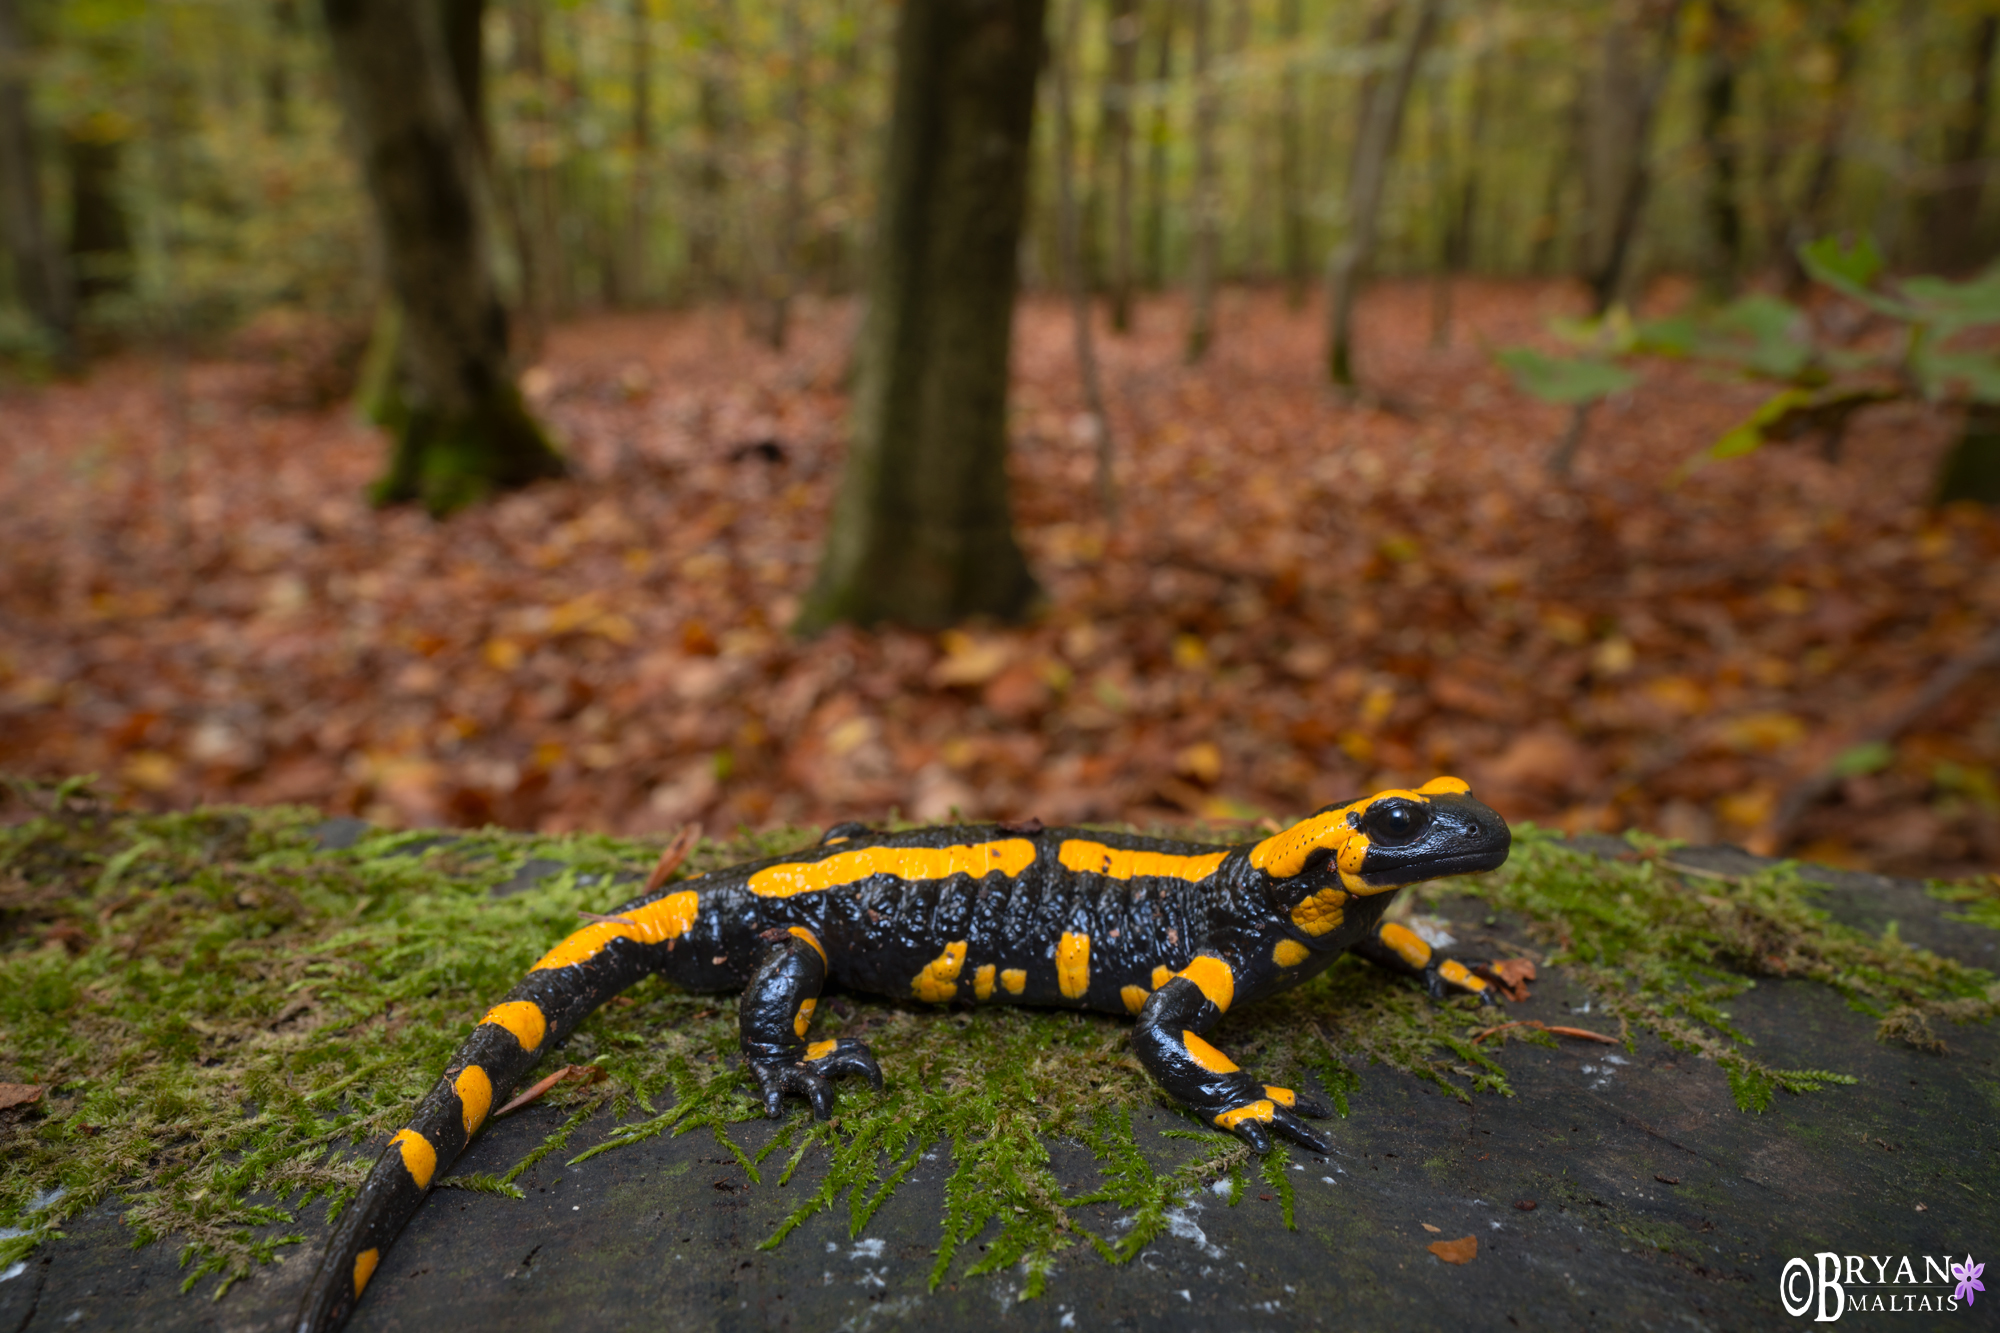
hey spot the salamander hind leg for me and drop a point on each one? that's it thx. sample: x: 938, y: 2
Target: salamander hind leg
x: 1169, y: 1044
x: 1397, y: 948
x: 774, y: 1016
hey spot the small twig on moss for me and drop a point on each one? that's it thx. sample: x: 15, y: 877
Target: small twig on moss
x: 670, y: 859
x: 1540, y: 1026
x: 607, y: 920
x: 581, y: 1073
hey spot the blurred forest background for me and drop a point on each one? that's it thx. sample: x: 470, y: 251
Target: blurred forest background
x: 1282, y: 557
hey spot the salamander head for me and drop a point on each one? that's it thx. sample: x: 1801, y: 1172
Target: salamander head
x: 1390, y: 839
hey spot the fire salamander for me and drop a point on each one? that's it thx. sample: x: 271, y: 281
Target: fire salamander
x: 1175, y: 933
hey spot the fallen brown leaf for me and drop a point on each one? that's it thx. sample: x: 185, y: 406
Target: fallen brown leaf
x: 577, y: 1073
x: 675, y: 853
x: 1460, y: 1251
x: 1584, y: 1034
x: 1526, y: 1205
x: 1668, y: 1180
x: 20, y: 1094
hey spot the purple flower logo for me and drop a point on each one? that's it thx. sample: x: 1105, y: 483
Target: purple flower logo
x: 1967, y: 1274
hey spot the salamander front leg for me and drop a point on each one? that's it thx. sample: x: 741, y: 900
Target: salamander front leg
x: 774, y: 1015
x: 1400, y: 949
x: 1168, y: 1043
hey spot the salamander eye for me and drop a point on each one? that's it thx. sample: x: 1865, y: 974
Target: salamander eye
x: 1393, y: 823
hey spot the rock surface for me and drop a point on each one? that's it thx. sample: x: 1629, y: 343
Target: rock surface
x: 1615, y: 1190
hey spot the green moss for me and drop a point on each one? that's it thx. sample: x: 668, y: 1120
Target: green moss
x: 220, y: 1009
x: 1979, y: 897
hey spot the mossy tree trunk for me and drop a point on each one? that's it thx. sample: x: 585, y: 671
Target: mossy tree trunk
x: 463, y: 431
x: 922, y: 531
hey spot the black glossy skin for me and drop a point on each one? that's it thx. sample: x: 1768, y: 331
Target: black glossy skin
x: 1238, y: 930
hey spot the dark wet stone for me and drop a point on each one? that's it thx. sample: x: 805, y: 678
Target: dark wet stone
x: 529, y: 874
x: 340, y: 833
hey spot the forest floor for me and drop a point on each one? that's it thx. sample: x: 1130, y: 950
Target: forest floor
x: 1304, y: 598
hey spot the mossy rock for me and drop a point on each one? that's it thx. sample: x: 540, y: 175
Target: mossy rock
x: 230, y: 1014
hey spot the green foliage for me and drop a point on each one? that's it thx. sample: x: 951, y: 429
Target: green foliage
x: 1571, y: 380
x: 1762, y: 337
x: 238, y: 1010
x: 1868, y: 757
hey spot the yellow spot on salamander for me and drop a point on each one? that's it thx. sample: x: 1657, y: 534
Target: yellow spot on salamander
x: 419, y: 1158
x: 1409, y: 945
x: 811, y: 939
x: 1458, y: 975
x: 663, y: 919
x: 1014, y: 979
x: 1073, y: 965
x: 1444, y: 787
x: 1289, y: 953
x: 1205, y: 1055
x: 1258, y: 1110
x: 803, y: 1018
x: 523, y: 1018
x: 1319, y: 913
x: 1161, y: 976
x: 1217, y: 982
x: 1094, y: 858
x: 819, y: 1050
x: 1134, y: 997
x: 475, y: 1096
x: 938, y: 981
x: 364, y: 1268
x: 1282, y: 1096
x: 1009, y: 856
x: 982, y: 982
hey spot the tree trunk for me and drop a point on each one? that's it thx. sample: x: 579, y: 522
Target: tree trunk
x: 1954, y: 206
x: 1207, y: 211
x: 1808, y: 220
x: 1547, y: 231
x: 464, y: 431
x: 922, y: 531
x: 715, y: 113
x: 1074, y: 273
x: 1116, y: 148
x: 1366, y: 185
x: 1156, y: 152
x: 638, y: 204
x: 41, y: 278
x: 531, y: 208
x: 279, y: 117
x: 100, y: 239
x: 1630, y: 99
x: 1971, y: 469
x: 1721, y: 65
x: 784, y: 277
x: 1292, y: 243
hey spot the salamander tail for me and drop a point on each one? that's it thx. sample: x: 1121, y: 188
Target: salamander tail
x: 571, y: 981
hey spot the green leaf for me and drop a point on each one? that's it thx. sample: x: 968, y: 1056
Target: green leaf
x: 1951, y: 306
x: 1958, y: 375
x: 1868, y: 757
x: 1850, y: 270
x: 1842, y: 266
x: 1763, y: 334
x: 1564, y: 379
x: 1676, y: 335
